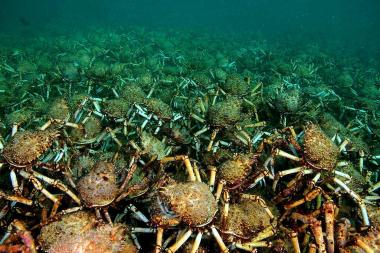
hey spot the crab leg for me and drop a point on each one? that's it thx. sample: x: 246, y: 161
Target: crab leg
x: 18, y: 199
x: 269, y: 162
x: 219, y: 240
x: 136, y: 241
x: 14, y: 129
x: 283, y: 173
x: 295, y: 242
x: 251, y: 247
x: 374, y: 187
x: 196, y: 172
x: 279, y: 152
x: 107, y: 215
x: 370, y: 199
x: 196, y: 117
x: 219, y: 189
x: 37, y: 184
x: 308, y: 197
x: 211, y: 182
x: 212, y: 139
x: 342, y: 228
x: 187, y: 162
x: 361, y: 244
x: 14, y: 182
x: 131, y: 171
x: 159, y: 237
x: 226, y: 207
x: 260, y: 177
x: 342, y: 146
x: 357, y: 199
x: 312, y: 248
x: 51, y: 121
x: 140, y: 216
x: 112, y: 133
x: 316, y: 229
x: 180, y: 241
x: 329, y: 222
x: 4, y: 211
x: 361, y: 160
x: 57, y: 184
x: 197, y: 242
x: 266, y: 233
x: 342, y: 174
x: 203, y: 130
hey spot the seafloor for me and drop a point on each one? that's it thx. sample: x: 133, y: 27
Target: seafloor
x: 122, y: 126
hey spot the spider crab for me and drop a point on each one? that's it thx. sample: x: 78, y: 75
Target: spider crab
x: 193, y: 207
x: 22, y: 154
x: 319, y: 158
x: 80, y: 231
x: 99, y: 188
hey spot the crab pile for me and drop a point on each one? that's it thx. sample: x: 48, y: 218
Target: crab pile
x: 119, y: 143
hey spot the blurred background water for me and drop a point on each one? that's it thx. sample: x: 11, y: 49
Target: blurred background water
x: 350, y: 23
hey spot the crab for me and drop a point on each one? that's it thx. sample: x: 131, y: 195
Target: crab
x: 228, y: 120
x: 92, y: 128
x: 320, y: 158
x: 153, y: 147
x: 247, y: 223
x: 241, y: 172
x: 18, y: 118
x: 22, y: 154
x: 193, y: 206
x: 59, y: 114
x: 99, y: 188
x: 103, y: 239
x: 64, y: 224
x: 80, y: 231
x: 190, y: 204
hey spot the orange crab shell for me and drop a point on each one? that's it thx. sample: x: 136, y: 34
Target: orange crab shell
x: 320, y: 152
x: 99, y: 187
x: 193, y: 202
x: 26, y: 147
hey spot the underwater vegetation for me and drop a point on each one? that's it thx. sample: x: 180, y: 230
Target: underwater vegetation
x: 137, y: 140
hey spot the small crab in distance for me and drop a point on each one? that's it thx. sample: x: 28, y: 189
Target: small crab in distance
x: 22, y: 154
x: 320, y: 157
x: 226, y: 119
x: 58, y: 116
